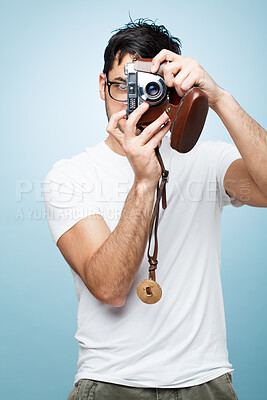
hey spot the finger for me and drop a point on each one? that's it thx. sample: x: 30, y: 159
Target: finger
x: 179, y: 79
x: 189, y: 82
x: 155, y: 140
x: 133, y: 119
x: 170, y: 70
x: 153, y: 128
x: 115, y: 118
x: 163, y: 55
x: 112, y: 127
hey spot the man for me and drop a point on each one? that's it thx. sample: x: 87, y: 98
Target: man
x: 99, y: 205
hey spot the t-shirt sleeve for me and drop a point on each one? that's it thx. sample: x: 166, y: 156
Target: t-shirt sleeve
x: 68, y: 198
x: 226, y: 154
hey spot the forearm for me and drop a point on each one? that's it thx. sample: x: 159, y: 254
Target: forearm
x: 111, y: 271
x: 249, y: 137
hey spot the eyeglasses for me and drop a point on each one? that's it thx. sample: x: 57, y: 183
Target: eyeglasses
x: 117, y: 90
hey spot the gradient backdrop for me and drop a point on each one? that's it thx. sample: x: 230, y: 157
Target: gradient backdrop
x: 51, y: 55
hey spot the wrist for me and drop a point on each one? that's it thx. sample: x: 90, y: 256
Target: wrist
x: 144, y: 188
x: 222, y: 97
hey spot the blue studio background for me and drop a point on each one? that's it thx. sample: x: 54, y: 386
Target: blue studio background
x: 51, y: 55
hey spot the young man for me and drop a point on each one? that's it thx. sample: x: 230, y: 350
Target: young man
x: 99, y: 205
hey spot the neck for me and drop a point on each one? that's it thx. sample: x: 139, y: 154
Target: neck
x: 114, y: 145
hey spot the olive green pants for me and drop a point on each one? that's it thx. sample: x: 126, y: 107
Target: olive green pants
x: 217, y: 389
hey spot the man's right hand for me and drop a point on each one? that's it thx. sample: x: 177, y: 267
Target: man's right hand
x: 140, y: 149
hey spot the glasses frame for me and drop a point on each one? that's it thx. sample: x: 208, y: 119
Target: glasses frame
x: 109, y: 84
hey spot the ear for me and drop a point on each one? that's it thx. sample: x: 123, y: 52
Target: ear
x: 102, y: 86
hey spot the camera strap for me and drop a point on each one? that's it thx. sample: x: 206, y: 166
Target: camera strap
x: 149, y: 290
x: 187, y: 115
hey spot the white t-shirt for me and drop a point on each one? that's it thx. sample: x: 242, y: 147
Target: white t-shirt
x: 181, y: 340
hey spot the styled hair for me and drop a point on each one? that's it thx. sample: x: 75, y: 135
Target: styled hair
x: 140, y: 36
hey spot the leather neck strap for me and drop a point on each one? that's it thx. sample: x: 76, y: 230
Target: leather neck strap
x: 161, y: 194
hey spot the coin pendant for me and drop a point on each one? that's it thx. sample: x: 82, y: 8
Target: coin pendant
x: 149, y: 291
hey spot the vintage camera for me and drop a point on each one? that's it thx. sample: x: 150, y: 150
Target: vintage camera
x: 187, y: 113
x: 143, y: 86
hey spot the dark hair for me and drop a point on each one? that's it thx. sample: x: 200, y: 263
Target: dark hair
x: 140, y: 36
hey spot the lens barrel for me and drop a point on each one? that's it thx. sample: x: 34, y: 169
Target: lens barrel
x: 152, y: 89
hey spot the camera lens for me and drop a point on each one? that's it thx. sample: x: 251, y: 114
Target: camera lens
x: 152, y: 88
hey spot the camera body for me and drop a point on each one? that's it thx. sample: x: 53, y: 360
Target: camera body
x: 143, y: 86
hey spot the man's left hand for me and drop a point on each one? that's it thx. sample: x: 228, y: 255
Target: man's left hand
x: 183, y: 73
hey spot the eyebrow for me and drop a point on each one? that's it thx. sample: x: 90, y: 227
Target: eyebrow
x: 120, y: 79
